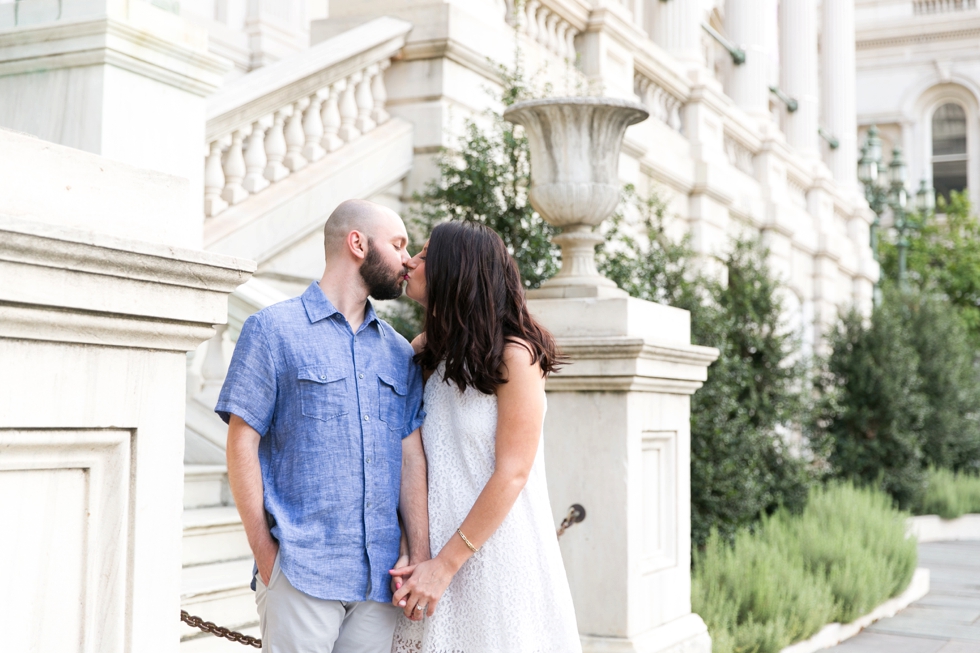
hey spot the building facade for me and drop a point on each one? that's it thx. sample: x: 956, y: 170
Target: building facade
x: 277, y: 110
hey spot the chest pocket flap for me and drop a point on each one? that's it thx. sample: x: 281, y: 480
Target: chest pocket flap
x: 391, y: 401
x: 323, y: 391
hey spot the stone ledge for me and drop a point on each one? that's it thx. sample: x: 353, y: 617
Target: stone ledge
x: 933, y: 528
x: 833, y: 634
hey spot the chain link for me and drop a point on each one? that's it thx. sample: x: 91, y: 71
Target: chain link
x: 576, y: 514
x: 219, y: 631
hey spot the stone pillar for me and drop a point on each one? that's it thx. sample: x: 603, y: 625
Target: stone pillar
x: 94, y: 330
x: 120, y: 78
x: 837, y: 79
x: 798, y: 73
x: 676, y: 27
x: 617, y: 441
x: 751, y: 24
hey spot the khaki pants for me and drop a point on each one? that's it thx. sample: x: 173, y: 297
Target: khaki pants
x: 294, y: 622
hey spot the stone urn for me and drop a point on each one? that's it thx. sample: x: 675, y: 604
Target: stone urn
x: 575, y: 143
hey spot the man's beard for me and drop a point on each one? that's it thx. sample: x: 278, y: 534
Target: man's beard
x: 382, y: 282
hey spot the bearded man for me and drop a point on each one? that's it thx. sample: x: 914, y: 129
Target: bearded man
x: 323, y: 405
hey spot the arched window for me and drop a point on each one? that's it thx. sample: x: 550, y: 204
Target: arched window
x: 949, y: 149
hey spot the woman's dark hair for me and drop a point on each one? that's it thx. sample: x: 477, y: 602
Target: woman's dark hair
x: 476, y: 306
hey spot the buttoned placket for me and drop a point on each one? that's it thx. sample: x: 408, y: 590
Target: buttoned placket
x: 367, y: 446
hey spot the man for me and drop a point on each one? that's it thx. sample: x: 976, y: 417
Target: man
x: 323, y: 405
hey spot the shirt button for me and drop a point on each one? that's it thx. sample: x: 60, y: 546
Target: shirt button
x: 368, y: 460
x: 367, y: 418
x: 361, y: 375
x: 369, y: 504
x: 323, y: 378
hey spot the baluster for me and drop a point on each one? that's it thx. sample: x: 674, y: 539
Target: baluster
x: 570, y: 43
x: 331, y: 119
x: 511, y: 15
x: 552, y: 23
x: 543, y: 15
x: 234, y: 167
x: 365, y: 103
x: 313, y: 128
x: 214, y: 368
x: 531, y: 23
x: 348, y: 110
x: 214, y: 181
x: 255, y: 159
x: 295, y: 138
x: 275, y: 148
x: 560, y: 41
x: 379, y: 115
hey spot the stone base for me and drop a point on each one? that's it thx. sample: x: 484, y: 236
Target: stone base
x: 576, y: 292
x: 685, y: 635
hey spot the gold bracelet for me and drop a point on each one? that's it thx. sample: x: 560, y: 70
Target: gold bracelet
x: 468, y: 543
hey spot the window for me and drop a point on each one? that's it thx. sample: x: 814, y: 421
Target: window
x: 949, y: 149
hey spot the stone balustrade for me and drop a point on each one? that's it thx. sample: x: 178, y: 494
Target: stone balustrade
x: 281, y: 118
x: 663, y: 104
x: 546, y: 24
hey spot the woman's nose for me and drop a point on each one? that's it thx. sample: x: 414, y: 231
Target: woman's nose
x: 411, y: 264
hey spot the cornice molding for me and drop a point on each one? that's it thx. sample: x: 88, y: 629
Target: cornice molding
x: 111, y: 42
x: 923, y: 29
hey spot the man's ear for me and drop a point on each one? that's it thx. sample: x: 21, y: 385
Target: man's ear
x: 357, y: 243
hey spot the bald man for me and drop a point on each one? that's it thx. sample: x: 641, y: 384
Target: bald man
x: 323, y: 405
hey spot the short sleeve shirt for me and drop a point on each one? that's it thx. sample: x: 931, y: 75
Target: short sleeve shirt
x: 332, y: 407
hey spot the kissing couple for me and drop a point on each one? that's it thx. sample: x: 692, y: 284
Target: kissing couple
x: 393, y: 493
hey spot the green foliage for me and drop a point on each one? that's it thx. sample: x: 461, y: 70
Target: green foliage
x: 872, y: 411
x: 740, y: 467
x: 944, y: 257
x: 949, y: 494
x: 842, y: 556
x: 900, y: 393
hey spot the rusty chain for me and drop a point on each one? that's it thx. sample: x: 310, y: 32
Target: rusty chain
x: 576, y: 513
x: 218, y: 631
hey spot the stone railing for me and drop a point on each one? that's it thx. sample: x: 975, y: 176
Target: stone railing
x: 940, y: 6
x: 548, y: 23
x: 661, y: 102
x: 739, y: 155
x: 277, y: 120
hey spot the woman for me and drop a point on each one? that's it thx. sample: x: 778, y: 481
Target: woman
x: 496, y: 583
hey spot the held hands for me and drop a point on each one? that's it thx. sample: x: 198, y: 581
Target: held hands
x: 396, y: 581
x: 423, y: 587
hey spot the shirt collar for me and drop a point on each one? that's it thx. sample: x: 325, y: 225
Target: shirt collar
x: 318, y: 307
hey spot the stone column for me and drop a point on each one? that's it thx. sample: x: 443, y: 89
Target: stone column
x: 676, y: 27
x: 94, y: 330
x: 617, y: 440
x: 798, y: 73
x: 837, y: 79
x: 751, y: 25
x: 120, y: 78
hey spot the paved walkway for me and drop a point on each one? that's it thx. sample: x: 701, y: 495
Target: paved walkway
x: 946, y: 620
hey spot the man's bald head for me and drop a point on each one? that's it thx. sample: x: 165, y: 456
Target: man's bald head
x: 355, y: 215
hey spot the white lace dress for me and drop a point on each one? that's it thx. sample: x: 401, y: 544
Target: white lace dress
x: 512, y: 596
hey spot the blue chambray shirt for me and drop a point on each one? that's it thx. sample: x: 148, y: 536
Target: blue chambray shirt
x: 332, y: 407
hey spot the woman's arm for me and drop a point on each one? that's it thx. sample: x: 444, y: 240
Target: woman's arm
x: 520, y: 414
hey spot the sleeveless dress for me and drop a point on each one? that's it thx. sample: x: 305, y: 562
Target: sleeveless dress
x: 512, y: 596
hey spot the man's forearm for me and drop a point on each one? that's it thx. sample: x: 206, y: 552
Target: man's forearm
x: 245, y: 480
x: 414, y: 503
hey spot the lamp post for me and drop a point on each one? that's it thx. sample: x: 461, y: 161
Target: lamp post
x: 888, y: 191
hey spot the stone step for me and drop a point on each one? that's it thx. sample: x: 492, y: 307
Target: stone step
x: 218, y: 592
x: 205, y: 485
x: 213, y: 534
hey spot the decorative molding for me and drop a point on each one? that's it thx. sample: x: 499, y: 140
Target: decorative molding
x: 110, y: 42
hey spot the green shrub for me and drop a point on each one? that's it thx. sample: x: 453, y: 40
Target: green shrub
x: 843, y: 555
x: 871, y: 412
x: 949, y: 494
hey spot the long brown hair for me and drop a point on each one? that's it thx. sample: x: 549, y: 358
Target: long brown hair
x: 476, y: 306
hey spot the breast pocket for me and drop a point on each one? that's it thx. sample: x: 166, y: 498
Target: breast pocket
x: 323, y: 393
x: 391, y: 401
